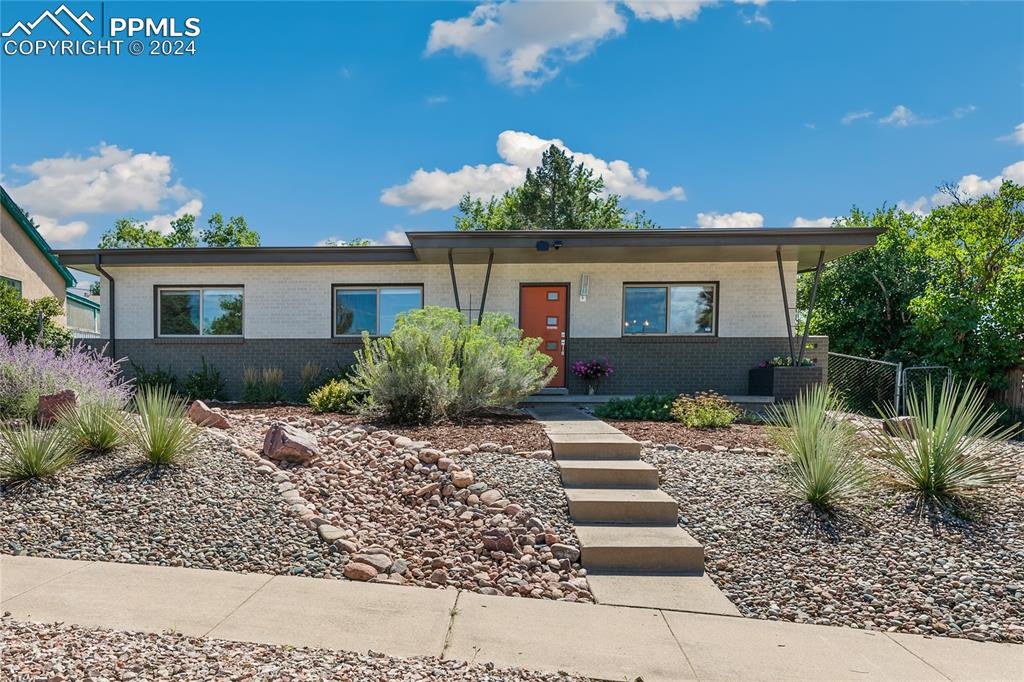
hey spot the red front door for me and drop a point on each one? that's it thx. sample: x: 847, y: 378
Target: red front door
x: 543, y: 309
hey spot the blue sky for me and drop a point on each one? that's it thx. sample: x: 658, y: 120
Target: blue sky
x: 344, y: 120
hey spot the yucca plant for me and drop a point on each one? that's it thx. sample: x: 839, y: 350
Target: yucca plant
x: 954, y: 455
x: 824, y: 467
x: 28, y: 452
x: 162, y: 431
x: 95, y: 426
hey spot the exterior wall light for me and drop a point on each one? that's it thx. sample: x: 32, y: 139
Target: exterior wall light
x: 584, y: 286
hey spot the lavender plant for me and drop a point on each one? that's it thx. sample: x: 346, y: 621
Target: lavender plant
x: 28, y: 371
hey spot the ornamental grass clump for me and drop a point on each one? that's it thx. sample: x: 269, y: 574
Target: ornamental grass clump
x: 27, y: 452
x: 436, y: 365
x: 704, y: 410
x: 264, y: 385
x: 162, y: 430
x: 824, y: 467
x: 96, y: 426
x: 955, y: 455
x: 28, y: 371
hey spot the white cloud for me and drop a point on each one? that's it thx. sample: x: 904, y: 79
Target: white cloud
x: 901, y: 117
x: 855, y: 116
x: 110, y: 181
x: 434, y: 100
x: 757, y: 18
x: 395, y: 238
x: 667, y: 10
x: 734, y: 219
x: 961, y: 112
x: 60, y: 233
x: 975, y: 185
x: 824, y: 221
x: 917, y: 206
x: 1016, y: 136
x: 525, y: 44
x: 162, y: 223
x: 438, y: 189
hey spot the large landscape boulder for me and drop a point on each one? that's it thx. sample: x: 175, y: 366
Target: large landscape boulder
x: 901, y: 427
x: 50, y: 406
x: 204, y: 416
x: 284, y: 442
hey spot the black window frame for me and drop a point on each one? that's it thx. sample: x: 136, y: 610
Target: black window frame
x: 157, y: 289
x: 358, y: 286
x: 667, y: 286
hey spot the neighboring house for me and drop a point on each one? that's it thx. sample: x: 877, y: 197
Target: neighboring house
x: 83, y: 316
x: 26, y: 261
x: 671, y: 310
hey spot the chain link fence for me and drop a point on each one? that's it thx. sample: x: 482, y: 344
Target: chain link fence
x: 864, y: 383
x: 916, y: 378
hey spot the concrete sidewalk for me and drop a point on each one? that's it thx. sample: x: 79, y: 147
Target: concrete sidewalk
x: 604, y: 642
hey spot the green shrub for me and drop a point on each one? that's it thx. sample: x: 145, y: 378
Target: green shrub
x: 653, y: 407
x: 954, y: 456
x: 704, y: 410
x: 93, y: 426
x: 334, y: 396
x: 156, y: 378
x: 823, y: 467
x: 264, y: 385
x: 437, y: 365
x: 162, y: 431
x: 205, y: 383
x: 28, y: 452
x: 20, y: 320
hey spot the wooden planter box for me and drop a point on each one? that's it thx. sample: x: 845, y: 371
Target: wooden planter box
x: 784, y: 383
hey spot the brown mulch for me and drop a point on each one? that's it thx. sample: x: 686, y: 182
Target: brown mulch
x: 737, y: 435
x: 517, y: 430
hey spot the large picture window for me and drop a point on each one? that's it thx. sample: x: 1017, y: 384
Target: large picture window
x: 669, y: 309
x: 199, y: 311
x: 372, y: 309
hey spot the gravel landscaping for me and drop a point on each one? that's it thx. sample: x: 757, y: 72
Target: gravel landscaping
x: 514, y: 428
x: 400, y: 511
x: 889, y: 569
x: 32, y: 651
x: 215, y: 512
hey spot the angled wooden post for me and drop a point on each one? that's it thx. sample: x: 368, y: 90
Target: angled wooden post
x: 455, y: 284
x: 487, y: 280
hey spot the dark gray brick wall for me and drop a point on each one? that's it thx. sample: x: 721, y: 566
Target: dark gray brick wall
x: 642, y: 365
x: 665, y: 364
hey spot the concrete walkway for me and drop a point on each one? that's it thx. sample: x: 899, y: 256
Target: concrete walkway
x: 604, y: 642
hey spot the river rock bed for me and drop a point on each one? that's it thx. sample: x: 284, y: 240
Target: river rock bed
x: 397, y: 510
x: 66, y: 652
x: 888, y: 570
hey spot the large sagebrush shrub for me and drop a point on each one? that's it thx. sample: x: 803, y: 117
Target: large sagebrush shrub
x: 28, y: 371
x: 824, y: 466
x: 957, y: 449
x: 437, y: 365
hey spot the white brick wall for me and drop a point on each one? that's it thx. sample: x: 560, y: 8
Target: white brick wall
x: 295, y: 301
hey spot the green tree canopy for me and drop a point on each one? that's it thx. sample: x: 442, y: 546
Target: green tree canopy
x: 128, y: 233
x: 941, y: 289
x: 23, y: 320
x: 557, y: 195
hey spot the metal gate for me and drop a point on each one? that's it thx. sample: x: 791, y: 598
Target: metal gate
x: 916, y: 378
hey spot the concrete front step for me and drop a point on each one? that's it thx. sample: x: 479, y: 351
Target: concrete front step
x: 608, y: 473
x: 644, y: 549
x: 627, y: 506
x: 593, y: 446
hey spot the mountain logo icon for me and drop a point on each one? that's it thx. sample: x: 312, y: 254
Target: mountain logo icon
x: 69, y: 16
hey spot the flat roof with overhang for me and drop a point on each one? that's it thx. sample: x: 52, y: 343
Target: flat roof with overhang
x: 801, y: 244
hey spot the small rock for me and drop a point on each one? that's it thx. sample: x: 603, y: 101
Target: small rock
x: 359, y: 571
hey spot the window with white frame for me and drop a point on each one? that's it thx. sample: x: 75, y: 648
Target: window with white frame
x: 683, y: 309
x: 372, y: 309
x: 199, y: 311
